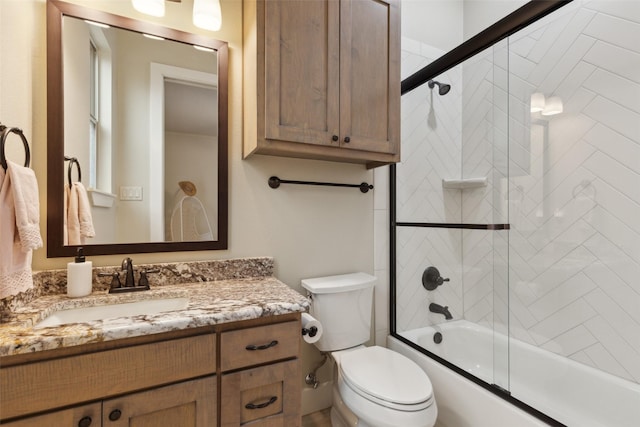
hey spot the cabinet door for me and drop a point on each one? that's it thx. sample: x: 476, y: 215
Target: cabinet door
x: 187, y: 404
x: 268, y: 396
x: 302, y: 71
x: 80, y: 416
x: 370, y: 75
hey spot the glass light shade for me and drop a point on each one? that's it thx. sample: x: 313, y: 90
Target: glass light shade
x: 207, y: 14
x: 537, y: 102
x: 553, y: 106
x: 149, y: 7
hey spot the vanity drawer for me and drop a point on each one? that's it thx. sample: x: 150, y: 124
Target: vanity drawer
x: 262, y: 344
x: 71, y: 380
x: 265, y: 396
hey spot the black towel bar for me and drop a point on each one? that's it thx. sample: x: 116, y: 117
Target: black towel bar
x: 4, y: 134
x: 71, y: 161
x: 274, y: 182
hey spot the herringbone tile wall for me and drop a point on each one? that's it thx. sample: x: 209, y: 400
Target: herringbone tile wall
x: 566, y: 276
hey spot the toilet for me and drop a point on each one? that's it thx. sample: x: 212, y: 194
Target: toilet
x: 373, y: 386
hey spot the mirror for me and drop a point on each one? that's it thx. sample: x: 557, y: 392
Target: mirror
x: 142, y: 115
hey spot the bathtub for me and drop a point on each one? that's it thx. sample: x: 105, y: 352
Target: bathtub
x: 568, y: 391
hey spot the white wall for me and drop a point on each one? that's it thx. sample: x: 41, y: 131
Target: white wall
x: 480, y: 14
x: 435, y: 22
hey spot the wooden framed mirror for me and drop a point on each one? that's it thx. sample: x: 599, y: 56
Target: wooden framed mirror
x: 161, y: 99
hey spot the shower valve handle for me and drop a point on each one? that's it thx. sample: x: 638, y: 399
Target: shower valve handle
x: 431, y: 279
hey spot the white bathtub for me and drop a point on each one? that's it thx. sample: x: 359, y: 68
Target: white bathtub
x: 568, y: 391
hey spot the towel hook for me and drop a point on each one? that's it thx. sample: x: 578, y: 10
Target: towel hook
x: 71, y: 161
x: 5, y: 134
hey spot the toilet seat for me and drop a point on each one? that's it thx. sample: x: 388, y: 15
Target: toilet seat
x: 386, y: 378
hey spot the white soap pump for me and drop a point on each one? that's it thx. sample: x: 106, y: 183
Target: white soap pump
x: 79, y: 280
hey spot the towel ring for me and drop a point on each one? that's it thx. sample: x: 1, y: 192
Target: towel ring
x: 5, y: 133
x: 71, y: 161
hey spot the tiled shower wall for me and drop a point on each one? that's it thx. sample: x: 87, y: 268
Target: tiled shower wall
x: 431, y: 151
x: 574, y: 259
x: 567, y: 277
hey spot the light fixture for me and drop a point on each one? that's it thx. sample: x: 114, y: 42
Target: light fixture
x: 149, y: 7
x: 552, y: 106
x: 207, y: 14
x: 537, y: 102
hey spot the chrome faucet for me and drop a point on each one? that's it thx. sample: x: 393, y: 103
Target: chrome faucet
x: 437, y: 308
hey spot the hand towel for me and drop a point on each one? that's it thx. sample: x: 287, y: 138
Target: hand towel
x: 19, y: 228
x: 78, y: 220
x: 27, y: 205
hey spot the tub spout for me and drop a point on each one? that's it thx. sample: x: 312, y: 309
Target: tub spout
x: 437, y: 308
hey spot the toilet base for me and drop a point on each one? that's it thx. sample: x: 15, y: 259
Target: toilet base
x: 341, y: 416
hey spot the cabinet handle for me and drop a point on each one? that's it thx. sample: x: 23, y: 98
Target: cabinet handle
x: 261, y: 405
x: 347, y: 139
x: 84, y: 422
x: 262, y: 347
x: 335, y: 138
x: 115, y: 415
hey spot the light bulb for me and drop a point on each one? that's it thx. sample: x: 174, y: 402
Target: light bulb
x: 553, y: 106
x: 537, y: 102
x: 149, y: 7
x: 207, y: 14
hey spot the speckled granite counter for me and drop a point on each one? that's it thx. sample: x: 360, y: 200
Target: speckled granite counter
x: 210, y: 302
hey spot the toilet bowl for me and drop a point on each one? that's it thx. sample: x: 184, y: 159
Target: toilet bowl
x: 373, y: 386
x: 382, y: 389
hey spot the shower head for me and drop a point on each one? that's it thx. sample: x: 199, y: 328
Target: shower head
x: 443, y: 88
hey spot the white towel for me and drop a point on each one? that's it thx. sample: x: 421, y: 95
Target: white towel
x: 19, y: 228
x: 78, y: 222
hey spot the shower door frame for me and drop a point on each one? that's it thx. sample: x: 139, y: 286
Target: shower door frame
x: 512, y: 23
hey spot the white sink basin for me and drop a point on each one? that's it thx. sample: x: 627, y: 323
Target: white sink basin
x: 101, y: 312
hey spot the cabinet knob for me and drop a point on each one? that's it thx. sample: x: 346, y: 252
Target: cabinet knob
x: 347, y: 139
x: 115, y: 415
x: 84, y: 422
x: 335, y: 138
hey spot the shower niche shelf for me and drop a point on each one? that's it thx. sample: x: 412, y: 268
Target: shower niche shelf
x: 463, y: 184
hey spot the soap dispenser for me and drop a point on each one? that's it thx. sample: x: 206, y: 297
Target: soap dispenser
x: 79, y: 280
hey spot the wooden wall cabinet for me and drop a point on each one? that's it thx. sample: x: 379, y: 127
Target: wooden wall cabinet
x: 322, y: 79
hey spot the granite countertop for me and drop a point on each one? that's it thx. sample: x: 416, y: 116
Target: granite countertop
x: 210, y: 303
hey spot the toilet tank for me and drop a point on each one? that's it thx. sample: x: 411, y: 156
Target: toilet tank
x: 342, y: 304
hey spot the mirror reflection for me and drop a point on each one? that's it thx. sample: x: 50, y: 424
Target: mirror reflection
x: 132, y: 103
x: 143, y: 121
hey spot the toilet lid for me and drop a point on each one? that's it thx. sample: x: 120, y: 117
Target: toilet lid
x: 386, y: 375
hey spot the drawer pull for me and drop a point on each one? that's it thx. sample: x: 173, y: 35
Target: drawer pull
x: 261, y: 405
x: 85, y: 422
x: 262, y: 347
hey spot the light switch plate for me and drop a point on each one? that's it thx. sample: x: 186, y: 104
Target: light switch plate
x: 131, y: 193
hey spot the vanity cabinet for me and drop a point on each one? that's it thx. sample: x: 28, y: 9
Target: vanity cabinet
x: 231, y: 374
x: 79, y: 416
x: 257, y: 391
x: 322, y: 79
x: 187, y: 404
